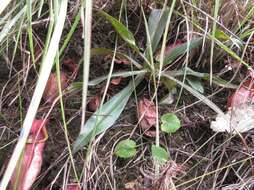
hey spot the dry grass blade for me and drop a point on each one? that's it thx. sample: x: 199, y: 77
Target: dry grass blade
x: 87, y: 29
x: 3, y: 5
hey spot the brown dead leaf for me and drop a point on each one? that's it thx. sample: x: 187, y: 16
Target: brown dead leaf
x: 122, y: 61
x: 68, y: 73
x: 31, y: 162
x: 70, y: 68
x: 170, y: 171
x: 147, y: 116
x: 118, y: 60
x: 94, y: 103
x: 116, y: 81
x: 51, y: 89
x: 72, y: 186
x: 162, y: 181
x: 141, y: 183
x: 245, y: 93
x: 130, y: 185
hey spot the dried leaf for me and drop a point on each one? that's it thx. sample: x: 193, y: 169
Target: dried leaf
x: 70, y: 68
x: 116, y: 81
x: 72, y: 186
x: 122, y: 61
x: 147, y: 116
x: 29, y: 168
x: 51, y: 89
x: 170, y: 171
x: 69, y: 72
x: 94, y: 103
x: 244, y: 94
x: 118, y: 60
x: 130, y: 185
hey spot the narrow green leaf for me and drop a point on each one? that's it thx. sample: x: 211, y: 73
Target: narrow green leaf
x: 181, y: 49
x: 205, y: 76
x: 170, y: 123
x: 219, y: 34
x: 126, y: 148
x: 30, y: 29
x: 196, y: 84
x: 121, y: 30
x: 105, y: 117
x: 71, y: 32
x: 160, y: 155
x: 156, y: 25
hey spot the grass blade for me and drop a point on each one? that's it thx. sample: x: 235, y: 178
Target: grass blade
x: 3, y: 5
x: 87, y: 23
x: 216, y: 10
x: 4, y: 32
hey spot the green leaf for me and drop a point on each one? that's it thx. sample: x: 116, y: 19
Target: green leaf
x: 121, y: 30
x: 160, y: 155
x: 105, y: 117
x: 126, y: 148
x: 170, y: 123
x: 181, y: 49
x: 156, y: 25
x: 219, y: 34
x: 196, y: 84
x: 205, y: 76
